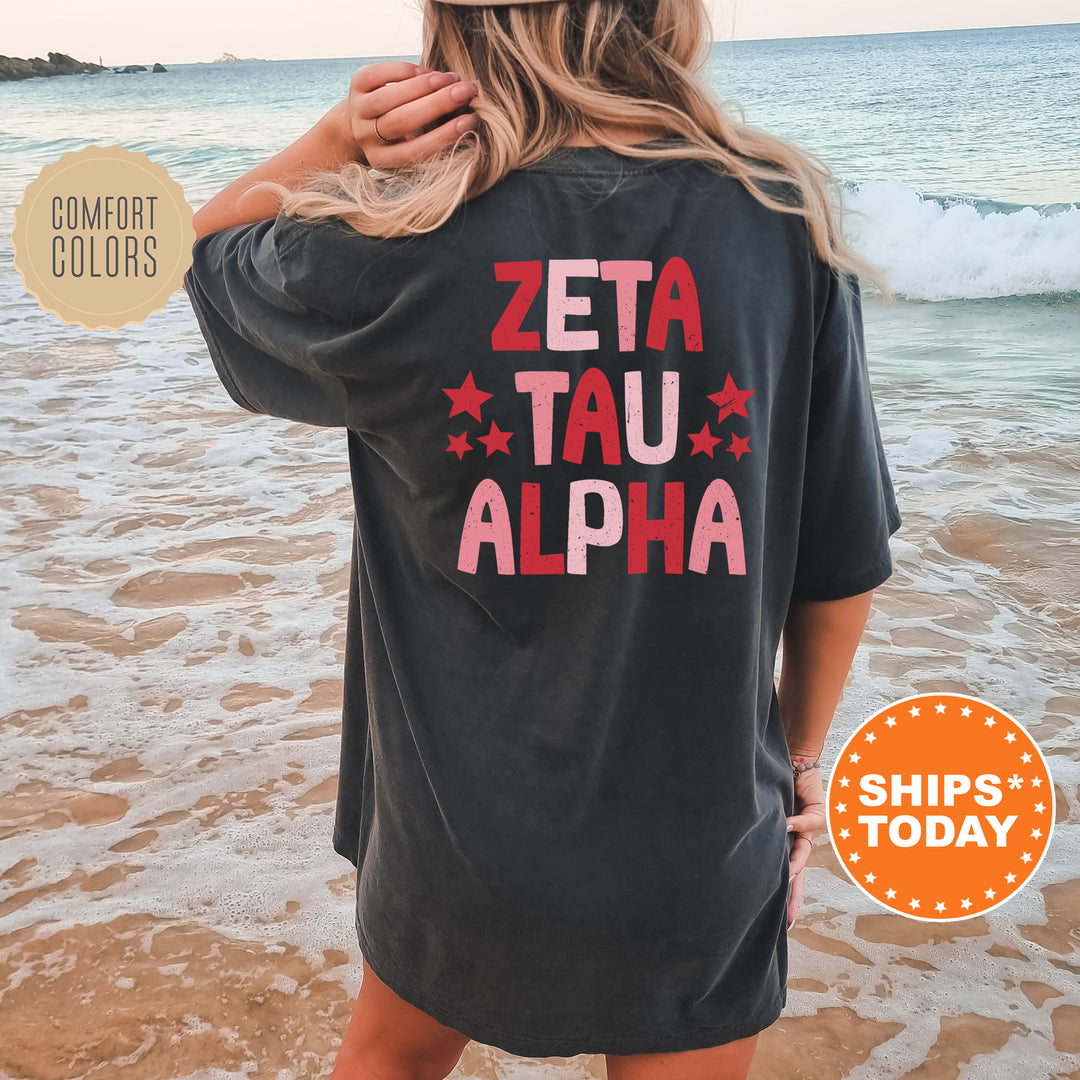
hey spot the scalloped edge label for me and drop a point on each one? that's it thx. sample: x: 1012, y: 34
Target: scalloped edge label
x: 103, y: 237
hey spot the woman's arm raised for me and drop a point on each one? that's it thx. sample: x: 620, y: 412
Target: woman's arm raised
x: 404, y: 97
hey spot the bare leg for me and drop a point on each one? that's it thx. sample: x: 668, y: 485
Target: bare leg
x: 389, y: 1039
x: 728, y: 1062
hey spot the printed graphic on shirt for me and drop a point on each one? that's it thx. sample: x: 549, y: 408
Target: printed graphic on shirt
x: 588, y: 414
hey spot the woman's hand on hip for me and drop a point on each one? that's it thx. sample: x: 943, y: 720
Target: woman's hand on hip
x: 807, y: 821
x: 405, y: 99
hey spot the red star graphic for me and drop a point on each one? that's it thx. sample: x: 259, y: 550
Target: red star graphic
x: 703, y: 440
x: 739, y: 446
x: 459, y: 444
x: 467, y: 398
x: 495, y: 440
x: 731, y: 399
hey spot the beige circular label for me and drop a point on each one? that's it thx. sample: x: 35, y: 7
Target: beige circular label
x: 103, y: 237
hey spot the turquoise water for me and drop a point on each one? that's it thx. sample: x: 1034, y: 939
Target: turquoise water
x: 981, y: 114
x: 961, y: 146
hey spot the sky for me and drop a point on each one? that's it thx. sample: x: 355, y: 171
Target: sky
x: 141, y: 32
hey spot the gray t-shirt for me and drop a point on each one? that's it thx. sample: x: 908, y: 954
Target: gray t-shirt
x: 603, y: 424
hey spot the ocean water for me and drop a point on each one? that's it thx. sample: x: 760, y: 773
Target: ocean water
x: 175, y: 570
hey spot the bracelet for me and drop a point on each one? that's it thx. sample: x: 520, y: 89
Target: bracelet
x: 796, y: 769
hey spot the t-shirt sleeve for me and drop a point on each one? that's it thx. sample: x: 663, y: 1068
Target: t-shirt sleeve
x: 849, y: 507
x: 245, y: 285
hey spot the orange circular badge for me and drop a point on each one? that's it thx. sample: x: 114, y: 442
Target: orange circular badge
x: 940, y: 807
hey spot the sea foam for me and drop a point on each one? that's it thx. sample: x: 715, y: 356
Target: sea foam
x: 933, y: 247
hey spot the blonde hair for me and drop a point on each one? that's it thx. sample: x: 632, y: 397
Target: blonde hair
x: 551, y: 71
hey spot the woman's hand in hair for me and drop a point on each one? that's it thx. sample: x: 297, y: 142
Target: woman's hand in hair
x: 419, y: 112
x: 416, y: 108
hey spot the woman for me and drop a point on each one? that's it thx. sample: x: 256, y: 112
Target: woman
x: 597, y: 348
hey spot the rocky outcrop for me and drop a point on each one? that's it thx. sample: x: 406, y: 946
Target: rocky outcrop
x: 14, y: 67
x: 228, y: 58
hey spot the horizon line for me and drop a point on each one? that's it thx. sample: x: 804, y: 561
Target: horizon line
x: 715, y: 41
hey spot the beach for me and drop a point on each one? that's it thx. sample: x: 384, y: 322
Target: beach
x: 175, y: 587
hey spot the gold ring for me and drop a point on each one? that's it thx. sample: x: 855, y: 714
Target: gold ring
x: 377, y: 132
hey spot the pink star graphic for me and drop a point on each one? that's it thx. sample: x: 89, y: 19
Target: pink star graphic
x: 459, y: 444
x: 703, y: 440
x: 731, y: 399
x: 467, y: 398
x: 495, y: 440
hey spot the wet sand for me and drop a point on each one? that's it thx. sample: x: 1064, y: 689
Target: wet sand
x: 170, y: 903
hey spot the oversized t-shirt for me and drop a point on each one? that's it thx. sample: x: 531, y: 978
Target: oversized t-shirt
x: 603, y: 425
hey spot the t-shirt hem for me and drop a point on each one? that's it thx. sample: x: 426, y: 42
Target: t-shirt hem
x: 205, y: 315
x: 564, y: 1044
x: 343, y: 849
x: 842, y: 588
